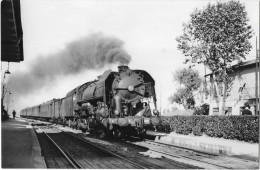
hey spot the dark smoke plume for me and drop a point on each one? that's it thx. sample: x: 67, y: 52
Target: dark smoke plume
x: 91, y: 52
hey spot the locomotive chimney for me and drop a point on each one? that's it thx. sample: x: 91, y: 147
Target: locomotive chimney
x: 122, y: 68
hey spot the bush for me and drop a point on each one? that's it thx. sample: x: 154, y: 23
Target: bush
x: 176, y: 112
x: 243, y: 128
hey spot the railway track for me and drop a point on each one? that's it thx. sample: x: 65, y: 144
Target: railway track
x: 53, y: 156
x: 109, y: 152
x: 128, y: 155
x: 137, y: 161
x: 80, y: 154
x: 72, y: 161
x: 196, y: 157
x: 197, y: 152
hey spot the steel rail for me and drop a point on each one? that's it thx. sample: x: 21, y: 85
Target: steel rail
x: 107, y: 151
x: 181, y: 147
x: 165, y: 154
x: 169, y: 154
x: 193, y: 150
x: 69, y: 158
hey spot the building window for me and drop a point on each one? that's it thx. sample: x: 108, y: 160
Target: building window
x: 215, y: 111
x: 228, y: 111
x: 242, y: 88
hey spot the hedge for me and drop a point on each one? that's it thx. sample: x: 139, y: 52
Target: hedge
x: 243, y: 128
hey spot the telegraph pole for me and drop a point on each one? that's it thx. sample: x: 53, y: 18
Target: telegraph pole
x: 161, y: 98
x: 259, y: 71
x: 8, y: 101
x: 258, y: 54
x: 256, y: 82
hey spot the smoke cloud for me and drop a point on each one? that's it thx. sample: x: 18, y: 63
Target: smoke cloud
x: 92, y: 52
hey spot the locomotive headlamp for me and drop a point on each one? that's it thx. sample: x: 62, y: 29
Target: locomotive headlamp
x: 116, y: 112
x: 155, y: 112
x: 125, y: 111
x: 131, y: 88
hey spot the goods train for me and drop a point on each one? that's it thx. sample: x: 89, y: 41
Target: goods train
x: 119, y: 103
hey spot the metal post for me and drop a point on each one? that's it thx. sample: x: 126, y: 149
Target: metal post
x: 3, y: 92
x: 2, y: 98
x: 256, y: 81
x: 160, y: 99
x: 259, y: 72
x: 257, y: 53
x: 2, y: 102
x: 8, y: 101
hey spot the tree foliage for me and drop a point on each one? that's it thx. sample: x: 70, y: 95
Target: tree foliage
x: 189, y: 81
x: 188, y: 77
x: 216, y: 36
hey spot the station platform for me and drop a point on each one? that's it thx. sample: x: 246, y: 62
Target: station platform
x: 20, y: 146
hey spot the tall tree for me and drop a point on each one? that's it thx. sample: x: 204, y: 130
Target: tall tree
x: 217, y: 36
x: 189, y: 81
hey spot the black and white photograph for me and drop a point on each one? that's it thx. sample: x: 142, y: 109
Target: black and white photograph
x: 130, y: 84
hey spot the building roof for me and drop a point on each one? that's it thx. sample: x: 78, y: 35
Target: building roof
x: 11, y: 31
x: 239, y: 65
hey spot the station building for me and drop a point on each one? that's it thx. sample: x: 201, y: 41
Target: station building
x: 242, y: 89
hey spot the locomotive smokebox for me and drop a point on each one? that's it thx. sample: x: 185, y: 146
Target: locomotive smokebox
x: 122, y: 68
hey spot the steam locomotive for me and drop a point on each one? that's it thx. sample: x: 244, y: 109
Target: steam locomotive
x: 119, y: 103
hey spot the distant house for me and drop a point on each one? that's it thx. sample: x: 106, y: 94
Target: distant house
x: 241, y: 90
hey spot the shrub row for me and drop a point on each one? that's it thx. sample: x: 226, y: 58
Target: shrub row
x: 243, y: 128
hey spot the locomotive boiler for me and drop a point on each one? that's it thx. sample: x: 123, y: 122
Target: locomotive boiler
x: 121, y: 103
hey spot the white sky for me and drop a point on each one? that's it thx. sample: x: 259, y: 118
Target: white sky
x: 148, y: 28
